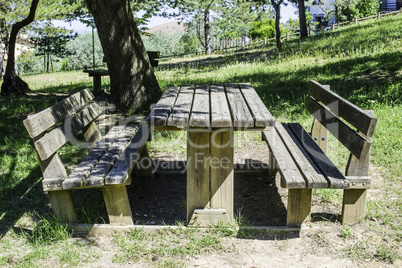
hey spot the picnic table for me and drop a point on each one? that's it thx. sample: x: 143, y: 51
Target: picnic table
x: 210, y: 115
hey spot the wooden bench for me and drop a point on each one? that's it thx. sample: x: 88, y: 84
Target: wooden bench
x: 108, y: 164
x: 303, y: 164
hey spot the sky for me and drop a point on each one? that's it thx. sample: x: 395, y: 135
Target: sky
x: 287, y: 12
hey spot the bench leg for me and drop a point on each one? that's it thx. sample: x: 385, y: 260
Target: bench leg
x: 144, y: 167
x: 63, y: 206
x: 117, y: 205
x: 97, y: 85
x: 198, y: 146
x: 353, y: 206
x: 222, y: 187
x: 299, y: 206
x: 92, y: 134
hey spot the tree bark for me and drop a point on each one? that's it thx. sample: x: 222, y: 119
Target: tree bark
x: 277, y: 8
x: 207, y: 31
x: 1, y: 59
x: 302, y: 19
x: 133, y: 83
x: 12, y: 83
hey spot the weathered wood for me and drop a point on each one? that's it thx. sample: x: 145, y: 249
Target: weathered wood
x: 97, y: 176
x: 209, y: 217
x: 37, y: 123
x: 198, y: 149
x: 220, y: 113
x: 153, y: 54
x: 144, y: 166
x: 357, y: 117
x: 290, y: 174
x: 353, y: 205
x: 54, y: 140
x: 117, y: 205
x: 128, y: 159
x: 200, y: 116
x: 335, y: 178
x: 306, y: 165
x: 97, y: 80
x: 181, y: 110
x: 63, y: 206
x: 354, y: 142
x: 92, y: 134
x: 160, y: 112
x: 239, y: 110
x: 320, y: 135
x: 299, y: 206
x: 359, y: 182
x: 262, y: 117
x: 222, y: 179
x: 76, y: 178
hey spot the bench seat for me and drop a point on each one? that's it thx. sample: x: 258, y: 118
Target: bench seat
x: 108, y: 164
x: 303, y: 165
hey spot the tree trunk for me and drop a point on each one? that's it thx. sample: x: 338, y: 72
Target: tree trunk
x: 133, y: 83
x: 12, y: 83
x: 1, y: 60
x: 277, y: 8
x: 302, y: 19
x: 207, y: 32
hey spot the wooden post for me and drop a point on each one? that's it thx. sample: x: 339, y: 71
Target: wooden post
x: 333, y: 26
x: 320, y: 135
x: 97, y: 84
x: 144, y: 166
x: 265, y: 41
x: 117, y: 205
x: 299, y: 206
x: 354, y: 200
x: 222, y: 184
x: 379, y: 15
x: 92, y: 134
x: 355, y: 20
x: 287, y: 36
x: 198, y: 149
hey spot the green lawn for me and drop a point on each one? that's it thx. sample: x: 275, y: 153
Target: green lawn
x: 362, y: 63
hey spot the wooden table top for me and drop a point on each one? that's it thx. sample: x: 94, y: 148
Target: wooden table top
x: 235, y: 106
x: 100, y: 72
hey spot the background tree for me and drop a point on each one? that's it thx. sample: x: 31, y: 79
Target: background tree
x: 133, y: 82
x: 12, y: 83
x: 301, y: 7
x: 277, y: 8
x: 262, y: 29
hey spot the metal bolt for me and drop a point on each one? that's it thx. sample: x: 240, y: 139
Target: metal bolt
x: 59, y: 185
x: 48, y: 186
x: 364, y: 184
x: 323, y: 138
x: 354, y: 183
x: 315, y: 138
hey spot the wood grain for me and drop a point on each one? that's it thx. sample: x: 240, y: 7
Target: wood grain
x: 200, y: 116
x: 162, y: 109
x: 262, y: 117
x: 240, y: 113
x: 181, y: 111
x: 38, y: 123
x: 220, y: 113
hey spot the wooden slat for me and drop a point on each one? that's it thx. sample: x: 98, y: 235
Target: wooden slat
x: 122, y: 169
x: 354, y: 142
x: 54, y: 140
x: 291, y: 176
x: 76, y: 178
x: 40, y: 122
x: 240, y: 113
x: 262, y: 117
x: 220, y: 113
x: 200, y: 116
x: 307, y: 167
x: 162, y: 109
x: 181, y: 110
x: 97, y: 176
x: 335, y: 178
x: 362, y: 121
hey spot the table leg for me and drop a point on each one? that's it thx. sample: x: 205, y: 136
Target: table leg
x: 198, y: 149
x: 97, y: 85
x: 222, y: 186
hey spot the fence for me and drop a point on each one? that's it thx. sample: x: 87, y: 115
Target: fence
x: 231, y: 45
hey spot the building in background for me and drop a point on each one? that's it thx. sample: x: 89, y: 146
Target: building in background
x: 23, y: 44
x: 391, y: 5
x: 318, y: 13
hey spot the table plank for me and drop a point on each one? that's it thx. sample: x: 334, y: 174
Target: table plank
x: 220, y: 113
x: 200, y: 116
x: 240, y: 113
x: 160, y: 113
x: 260, y: 113
x: 181, y: 110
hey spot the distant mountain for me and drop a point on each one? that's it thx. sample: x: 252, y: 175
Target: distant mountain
x: 170, y: 27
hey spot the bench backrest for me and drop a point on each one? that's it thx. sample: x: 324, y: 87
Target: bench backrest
x: 328, y: 108
x: 53, y: 127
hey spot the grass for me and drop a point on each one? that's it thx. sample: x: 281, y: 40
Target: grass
x: 361, y: 63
